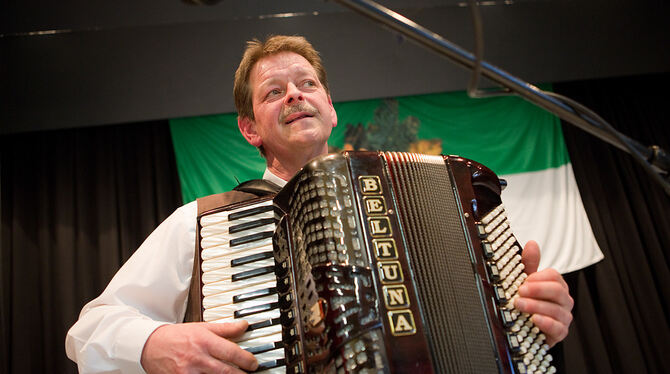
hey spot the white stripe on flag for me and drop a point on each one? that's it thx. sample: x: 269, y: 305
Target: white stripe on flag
x: 545, y: 206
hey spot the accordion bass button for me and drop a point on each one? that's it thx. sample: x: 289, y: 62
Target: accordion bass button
x: 494, y: 273
x: 513, y: 342
x: 500, y: 296
x: 487, y: 248
x: 481, y: 231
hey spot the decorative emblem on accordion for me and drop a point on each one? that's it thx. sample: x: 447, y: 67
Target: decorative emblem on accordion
x: 394, y: 262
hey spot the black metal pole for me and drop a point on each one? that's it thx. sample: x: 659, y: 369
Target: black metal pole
x: 435, y: 42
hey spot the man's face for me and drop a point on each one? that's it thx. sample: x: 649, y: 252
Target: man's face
x: 293, y: 113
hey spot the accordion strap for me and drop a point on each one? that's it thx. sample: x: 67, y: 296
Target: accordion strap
x: 258, y: 187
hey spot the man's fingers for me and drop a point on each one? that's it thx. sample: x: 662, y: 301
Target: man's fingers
x: 215, y: 366
x: 550, y: 275
x: 544, y: 308
x: 226, y: 351
x: 228, y: 330
x: 530, y: 256
x: 554, y: 330
x: 229, y: 352
x: 550, y: 291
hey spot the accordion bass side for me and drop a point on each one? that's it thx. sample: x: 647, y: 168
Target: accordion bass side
x: 398, y: 262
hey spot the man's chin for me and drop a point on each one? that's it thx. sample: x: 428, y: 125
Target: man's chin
x: 309, y: 142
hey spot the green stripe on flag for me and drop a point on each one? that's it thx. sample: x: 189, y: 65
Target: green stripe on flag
x: 211, y: 153
x: 507, y: 134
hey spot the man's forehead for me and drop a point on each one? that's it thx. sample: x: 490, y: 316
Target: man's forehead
x: 280, y: 63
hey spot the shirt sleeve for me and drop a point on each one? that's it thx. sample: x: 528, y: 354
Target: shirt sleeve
x: 149, y: 290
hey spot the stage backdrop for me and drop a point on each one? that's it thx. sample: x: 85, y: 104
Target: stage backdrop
x: 520, y: 142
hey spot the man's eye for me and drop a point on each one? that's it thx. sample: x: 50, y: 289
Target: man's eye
x: 274, y: 92
x: 309, y: 83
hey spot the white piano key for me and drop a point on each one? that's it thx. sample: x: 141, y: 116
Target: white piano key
x: 277, y: 370
x: 239, y: 306
x: 221, y: 231
x: 227, y: 297
x: 223, y: 259
x: 226, y: 285
x: 214, y: 251
x: 212, y: 315
x: 214, y: 239
x: 276, y: 354
x: 224, y: 215
x: 223, y: 273
x: 209, y: 221
x: 264, y: 332
x: 262, y: 340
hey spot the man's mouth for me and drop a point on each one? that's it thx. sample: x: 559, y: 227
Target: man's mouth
x: 294, y: 117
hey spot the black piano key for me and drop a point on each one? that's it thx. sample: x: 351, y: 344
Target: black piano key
x: 255, y: 309
x: 251, y: 238
x: 265, y: 347
x: 254, y: 295
x: 249, y: 212
x: 263, y: 324
x: 250, y: 225
x: 251, y: 258
x: 253, y: 273
x: 270, y: 364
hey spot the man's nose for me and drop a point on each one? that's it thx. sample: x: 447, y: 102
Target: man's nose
x: 293, y: 94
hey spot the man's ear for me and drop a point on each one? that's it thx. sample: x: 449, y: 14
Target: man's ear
x: 248, y: 129
x: 333, y: 114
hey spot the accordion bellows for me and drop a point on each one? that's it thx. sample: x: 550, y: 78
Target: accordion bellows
x: 394, y: 262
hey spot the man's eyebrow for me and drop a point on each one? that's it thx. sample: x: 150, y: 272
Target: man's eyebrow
x: 269, y: 81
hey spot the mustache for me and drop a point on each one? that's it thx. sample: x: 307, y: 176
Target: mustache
x: 300, y: 107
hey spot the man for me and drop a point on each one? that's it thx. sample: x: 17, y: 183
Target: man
x: 285, y: 109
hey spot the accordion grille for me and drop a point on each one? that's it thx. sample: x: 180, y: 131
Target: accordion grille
x: 437, y: 245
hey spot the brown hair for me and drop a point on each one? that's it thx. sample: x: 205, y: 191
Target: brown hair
x: 256, y: 50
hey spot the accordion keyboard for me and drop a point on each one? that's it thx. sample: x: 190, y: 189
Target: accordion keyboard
x: 238, y: 278
x: 507, y: 272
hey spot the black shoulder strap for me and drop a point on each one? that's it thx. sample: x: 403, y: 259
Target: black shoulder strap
x: 258, y: 187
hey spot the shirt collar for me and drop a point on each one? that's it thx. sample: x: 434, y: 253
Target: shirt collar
x: 267, y: 175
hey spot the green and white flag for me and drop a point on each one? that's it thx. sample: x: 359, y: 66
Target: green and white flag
x: 520, y: 142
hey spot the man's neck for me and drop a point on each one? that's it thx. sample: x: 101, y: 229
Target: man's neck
x: 286, y: 168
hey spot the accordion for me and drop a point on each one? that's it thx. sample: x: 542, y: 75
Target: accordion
x: 372, y: 262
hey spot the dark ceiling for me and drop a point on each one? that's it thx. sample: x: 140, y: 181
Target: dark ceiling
x: 77, y: 63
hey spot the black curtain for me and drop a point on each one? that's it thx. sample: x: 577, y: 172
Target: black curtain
x: 622, y: 303
x: 75, y: 205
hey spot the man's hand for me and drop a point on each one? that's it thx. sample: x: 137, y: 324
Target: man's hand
x: 544, y: 294
x: 196, y: 348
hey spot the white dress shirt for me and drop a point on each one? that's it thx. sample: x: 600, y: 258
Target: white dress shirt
x: 149, y: 290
